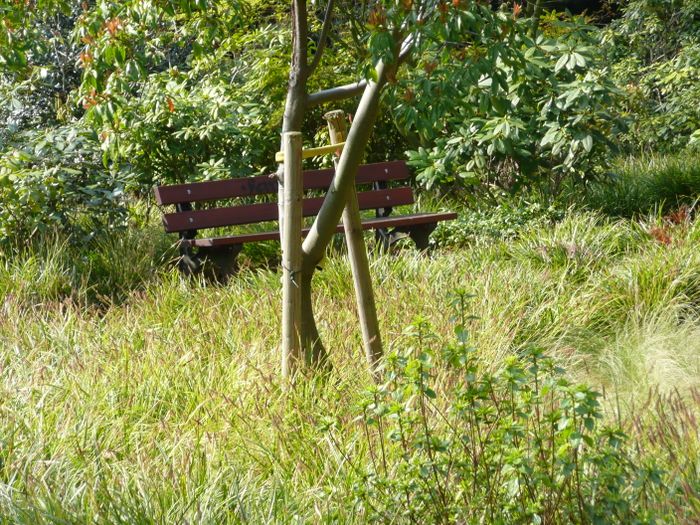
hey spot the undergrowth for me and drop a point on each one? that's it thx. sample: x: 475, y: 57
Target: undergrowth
x: 642, y: 185
x: 160, y: 401
x: 452, y: 442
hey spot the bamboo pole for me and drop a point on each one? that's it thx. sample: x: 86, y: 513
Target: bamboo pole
x: 357, y: 252
x: 291, y: 253
x: 313, y: 152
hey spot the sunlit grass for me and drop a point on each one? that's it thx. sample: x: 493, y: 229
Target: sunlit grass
x: 162, y: 402
x: 648, y: 183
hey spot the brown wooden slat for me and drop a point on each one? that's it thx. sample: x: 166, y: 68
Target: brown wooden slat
x: 367, y: 224
x: 254, y: 213
x: 251, y: 186
x: 371, y: 200
x: 366, y: 174
x: 218, y: 189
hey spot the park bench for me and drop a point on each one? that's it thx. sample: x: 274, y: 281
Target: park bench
x: 375, y: 192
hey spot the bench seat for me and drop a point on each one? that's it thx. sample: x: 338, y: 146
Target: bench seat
x: 367, y: 224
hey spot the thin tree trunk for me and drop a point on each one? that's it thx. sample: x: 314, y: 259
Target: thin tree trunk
x: 311, y: 344
x: 295, y: 104
x: 536, y: 15
x: 325, y: 223
x: 328, y: 216
x: 294, y: 110
x: 323, y: 228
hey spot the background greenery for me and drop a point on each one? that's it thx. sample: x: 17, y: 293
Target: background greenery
x: 544, y: 361
x: 102, y: 101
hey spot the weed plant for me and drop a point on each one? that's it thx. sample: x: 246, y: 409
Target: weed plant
x: 521, y: 445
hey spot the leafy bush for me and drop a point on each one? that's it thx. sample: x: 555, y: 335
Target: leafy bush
x: 655, y: 51
x: 207, y: 102
x: 522, y: 444
x: 510, y: 110
x: 38, y: 68
x: 506, y: 219
x: 56, y: 180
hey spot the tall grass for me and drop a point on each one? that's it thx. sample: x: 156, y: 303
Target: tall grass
x: 107, y: 270
x: 131, y: 395
x: 640, y: 185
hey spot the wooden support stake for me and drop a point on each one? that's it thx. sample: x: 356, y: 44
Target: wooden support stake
x: 357, y: 251
x: 313, y: 152
x: 291, y: 253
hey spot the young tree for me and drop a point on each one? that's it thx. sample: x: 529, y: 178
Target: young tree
x: 394, y: 33
x: 429, y: 32
x: 132, y: 50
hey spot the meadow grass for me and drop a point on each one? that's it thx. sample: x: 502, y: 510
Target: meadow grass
x: 131, y: 395
x: 648, y: 183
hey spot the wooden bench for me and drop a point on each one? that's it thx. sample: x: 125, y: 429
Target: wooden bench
x: 374, y: 192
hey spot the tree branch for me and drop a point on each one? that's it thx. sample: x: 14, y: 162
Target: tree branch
x: 406, y: 49
x: 336, y: 93
x: 325, y: 29
x: 324, y: 225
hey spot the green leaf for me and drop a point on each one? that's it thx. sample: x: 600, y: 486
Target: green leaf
x: 561, y: 63
x: 588, y: 143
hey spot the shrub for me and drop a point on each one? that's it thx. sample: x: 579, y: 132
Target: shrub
x: 506, y: 220
x: 654, y: 49
x: 511, y: 111
x: 56, y: 180
x: 522, y: 444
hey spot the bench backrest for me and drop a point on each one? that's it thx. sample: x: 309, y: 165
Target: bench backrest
x: 262, y: 212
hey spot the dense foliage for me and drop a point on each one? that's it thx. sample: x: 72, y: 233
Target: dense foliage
x: 56, y: 180
x: 655, y: 51
x: 511, y: 109
x: 103, y: 100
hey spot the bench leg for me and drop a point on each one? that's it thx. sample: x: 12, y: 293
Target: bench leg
x: 189, y: 262
x: 387, y: 238
x: 220, y: 263
x: 420, y: 235
x: 215, y: 263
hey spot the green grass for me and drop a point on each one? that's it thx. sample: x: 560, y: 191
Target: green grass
x: 641, y: 185
x: 130, y: 395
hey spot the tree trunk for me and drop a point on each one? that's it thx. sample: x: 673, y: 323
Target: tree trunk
x: 295, y: 104
x: 536, y: 15
x: 328, y: 216
x: 324, y: 225
x: 323, y: 228
x: 294, y: 110
x: 311, y: 344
